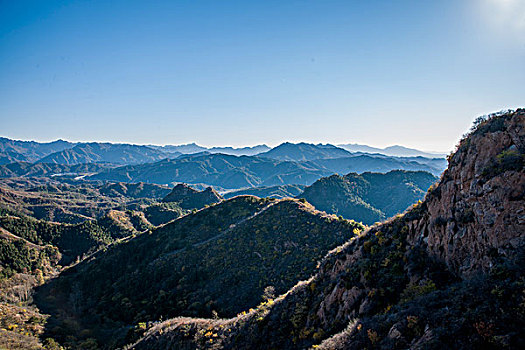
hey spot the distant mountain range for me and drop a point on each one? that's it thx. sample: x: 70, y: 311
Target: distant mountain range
x: 70, y: 153
x: 232, y: 172
x: 225, y: 168
x: 49, y: 169
x: 395, y: 151
x: 107, y: 152
x: 226, y: 171
x: 304, y: 152
x: 193, y: 148
x: 28, y: 151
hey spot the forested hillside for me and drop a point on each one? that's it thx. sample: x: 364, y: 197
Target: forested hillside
x: 218, y: 260
x: 369, y: 197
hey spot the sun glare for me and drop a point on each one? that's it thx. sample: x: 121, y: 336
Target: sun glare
x: 506, y: 17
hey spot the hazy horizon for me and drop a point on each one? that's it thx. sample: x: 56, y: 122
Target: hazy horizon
x: 244, y: 73
x: 224, y: 146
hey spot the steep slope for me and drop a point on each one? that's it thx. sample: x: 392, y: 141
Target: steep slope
x: 304, y: 152
x: 369, y: 197
x: 189, y: 198
x: 447, y: 274
x: 107, y: 153
x: 219, y: 259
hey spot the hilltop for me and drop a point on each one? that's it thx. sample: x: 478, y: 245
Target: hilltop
x: 219, y: 259
x: 268, y: 191
x: 304, y: 152
x: 446, y: 274
x: 369, y: 197
x: 189, y: 198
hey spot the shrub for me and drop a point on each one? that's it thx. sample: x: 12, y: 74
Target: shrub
x: 413, y: 291
x: 508, y: 160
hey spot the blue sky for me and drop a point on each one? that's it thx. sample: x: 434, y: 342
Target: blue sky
x: 414, y: 73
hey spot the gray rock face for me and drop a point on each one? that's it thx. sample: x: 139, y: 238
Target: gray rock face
x: 481, y: 213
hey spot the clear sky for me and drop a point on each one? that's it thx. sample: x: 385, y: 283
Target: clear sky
x: 414, y: 73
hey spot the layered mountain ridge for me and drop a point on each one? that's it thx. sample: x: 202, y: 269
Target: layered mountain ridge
x: 224, y: 168
x: 71, y: 153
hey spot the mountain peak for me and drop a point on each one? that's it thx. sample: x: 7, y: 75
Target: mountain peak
x: 189, y: 198
x: 304, y: 152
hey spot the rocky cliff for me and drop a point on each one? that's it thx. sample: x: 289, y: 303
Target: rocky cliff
x: 476, y: 214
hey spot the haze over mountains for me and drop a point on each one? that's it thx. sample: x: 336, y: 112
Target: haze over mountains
x: 222, y: 167
x: 122, y: 153
x: 396, y: 151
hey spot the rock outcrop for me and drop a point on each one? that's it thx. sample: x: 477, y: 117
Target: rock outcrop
x: 476, y: 214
